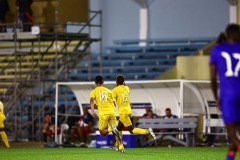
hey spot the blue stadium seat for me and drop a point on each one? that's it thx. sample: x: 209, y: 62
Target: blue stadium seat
x: 164, y: 41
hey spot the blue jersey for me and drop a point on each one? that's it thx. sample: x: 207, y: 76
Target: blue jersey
x: 226, y: 57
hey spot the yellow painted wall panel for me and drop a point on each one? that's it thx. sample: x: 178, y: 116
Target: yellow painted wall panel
x: 44, y: 11
x: 193, y: 67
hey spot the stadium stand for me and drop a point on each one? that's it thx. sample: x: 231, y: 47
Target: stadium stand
x: 140, y: 62
x: 137, y: 65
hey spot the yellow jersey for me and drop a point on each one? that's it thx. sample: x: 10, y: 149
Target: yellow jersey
x: 2, y: 119
x: 104, y: 100
x: 121, y: 94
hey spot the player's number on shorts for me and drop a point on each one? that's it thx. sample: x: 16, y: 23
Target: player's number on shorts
x: 125, y: 96
x: 230, y: 72
x: 103, y: 96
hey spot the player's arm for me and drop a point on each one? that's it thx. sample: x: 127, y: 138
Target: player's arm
x: 114, y: 102
x: 92, y: 106
x: 90, y: 121
x: 114, y: 96
x: 214, y: 84
x: 2, y: 116
x: 45, y: 126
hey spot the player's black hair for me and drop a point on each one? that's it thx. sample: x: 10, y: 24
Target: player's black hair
x: 233, y: 32
x: 221, y: 38
x: 120, y: 80
x: 99, y: 79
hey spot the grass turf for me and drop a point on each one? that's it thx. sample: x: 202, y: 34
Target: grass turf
x: 108, y: 154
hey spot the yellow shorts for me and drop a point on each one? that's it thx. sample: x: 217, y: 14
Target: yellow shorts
x: 106, y: 119
x: 125, y: 119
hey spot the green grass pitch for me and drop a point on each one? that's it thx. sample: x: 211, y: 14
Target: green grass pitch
x: 178, y: 153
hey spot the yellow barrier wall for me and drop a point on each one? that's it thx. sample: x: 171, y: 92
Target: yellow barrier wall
x: 193, y: 67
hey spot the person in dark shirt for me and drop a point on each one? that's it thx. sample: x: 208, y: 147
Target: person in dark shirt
x: 48, y: 129
x: 4, y: 8
x: 83, y: 126
x: 146, y: 115
x: 169, y: 114
x: 25, y: 13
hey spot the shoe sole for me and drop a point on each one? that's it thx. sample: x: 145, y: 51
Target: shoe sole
x: 115, y: 131
x: 152, y: 134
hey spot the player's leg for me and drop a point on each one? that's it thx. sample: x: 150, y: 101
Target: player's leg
x: 232, y: 132
x: 125, y: 119
x: 45, y: 139
x: 103, y: 125
x: 113, y: 122
x: 73, y: 132
x: 80, y: 132
x: 238, y: 121
x: 4, y: 137
x: 232, y: 150
x: 230, y: 115
x: 119, y: 128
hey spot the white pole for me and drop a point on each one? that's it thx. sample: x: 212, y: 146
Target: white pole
x: 233, y: 14
x: 143, y: 30
x: 56, y: 112
x: 181, y: 99
x: 144, y: 20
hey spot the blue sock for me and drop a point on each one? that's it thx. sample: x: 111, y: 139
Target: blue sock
x: 230, y: 155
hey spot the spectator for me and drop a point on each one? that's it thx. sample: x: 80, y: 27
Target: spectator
x: 25, y: 13
x: 169, y: 114
x: 145, y: 115
x: 150, y: 114
x: 82, y: 127
x: 48, y: 129
x: 4, y: 8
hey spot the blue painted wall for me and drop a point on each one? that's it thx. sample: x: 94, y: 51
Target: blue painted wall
x: 168, y: 18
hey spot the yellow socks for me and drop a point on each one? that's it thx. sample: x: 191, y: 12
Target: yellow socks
x: 120, y: 134
x: 121, y: 147
x: 5, y: 139
x: 109, y: 129
x: 140, y: 131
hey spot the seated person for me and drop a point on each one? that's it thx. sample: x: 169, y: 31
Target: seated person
x: 150, y: 114
x: 48, y: 129
x: 168, y: 115
x: 145, y: 115
x: 83, y: 126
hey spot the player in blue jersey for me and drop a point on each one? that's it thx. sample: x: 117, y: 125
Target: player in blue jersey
x: 225, y: 62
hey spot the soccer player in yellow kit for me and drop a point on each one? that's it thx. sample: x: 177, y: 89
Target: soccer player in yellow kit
x: 2, y: 132
x: 106, y: 110
x: 121, y: 94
